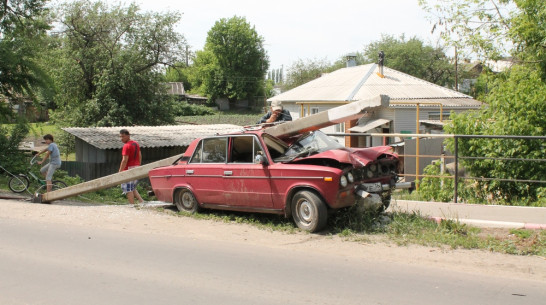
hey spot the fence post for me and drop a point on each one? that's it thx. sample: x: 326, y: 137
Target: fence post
x: 456, y: 184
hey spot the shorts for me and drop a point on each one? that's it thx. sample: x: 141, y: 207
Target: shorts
x: 130, y: 185
x: 50, y: 169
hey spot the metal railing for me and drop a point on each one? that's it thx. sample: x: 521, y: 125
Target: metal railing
x: 456, y: 156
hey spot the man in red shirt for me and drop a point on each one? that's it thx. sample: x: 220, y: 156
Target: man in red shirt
x: 131, y: 157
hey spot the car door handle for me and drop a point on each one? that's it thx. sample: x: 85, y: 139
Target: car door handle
x: 189, y: 171
x: 228, y: 173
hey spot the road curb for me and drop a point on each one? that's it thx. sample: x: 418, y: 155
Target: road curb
x: 493, y: 223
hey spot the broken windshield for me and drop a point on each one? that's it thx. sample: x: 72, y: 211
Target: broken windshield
x: 309, y: 144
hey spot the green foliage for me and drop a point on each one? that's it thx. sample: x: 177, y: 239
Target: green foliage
x: 354, y: 220
x: 414, y: 58
x: 220, y: 118
x: 233, y: 63
x: 434, y: 188
x: 181, y: 74
x: 301, y: 72
x: 528, y: 32
x: 186, y: 109
x: 11, y: 157
x: 516, y: 107
x: 492, y: 29
x: 23, y: 26
x: 106, y: 66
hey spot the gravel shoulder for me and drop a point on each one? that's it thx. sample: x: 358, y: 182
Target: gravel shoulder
x: 149, y: 220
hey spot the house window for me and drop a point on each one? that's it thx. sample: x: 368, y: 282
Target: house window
x: 436, y: 116
x: 340, y: 128
x: 314, y: 110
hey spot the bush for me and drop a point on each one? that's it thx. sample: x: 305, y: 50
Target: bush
x: 186, y: 109
x: 11, y: 158
x: 434, y: 188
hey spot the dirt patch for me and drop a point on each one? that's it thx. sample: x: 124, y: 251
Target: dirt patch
x: 150, y: 220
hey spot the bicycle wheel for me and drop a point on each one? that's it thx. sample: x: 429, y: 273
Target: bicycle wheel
x: 55, y: 185
x: 18, y: 184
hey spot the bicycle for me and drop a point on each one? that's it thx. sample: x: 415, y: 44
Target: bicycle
x: 20, y: 183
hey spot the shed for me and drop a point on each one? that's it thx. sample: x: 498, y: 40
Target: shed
x: 98, y: 149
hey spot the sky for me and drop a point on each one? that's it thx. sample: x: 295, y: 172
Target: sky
x: 302, y: 29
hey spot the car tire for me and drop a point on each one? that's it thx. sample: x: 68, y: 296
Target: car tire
x: 309, y: 211
x: 185, y: 201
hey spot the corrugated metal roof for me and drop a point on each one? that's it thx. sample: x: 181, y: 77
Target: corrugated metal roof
x: 149, y: 136
x: 362, y: 82
x: 433, y: 122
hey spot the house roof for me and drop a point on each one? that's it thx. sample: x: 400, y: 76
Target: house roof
x: 361, y: 82
x: 149, y: 136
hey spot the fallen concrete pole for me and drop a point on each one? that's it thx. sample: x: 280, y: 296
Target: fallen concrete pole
x: 104, y: 182
x: 350, y: 111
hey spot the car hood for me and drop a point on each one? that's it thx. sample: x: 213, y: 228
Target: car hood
x: 356, y: 157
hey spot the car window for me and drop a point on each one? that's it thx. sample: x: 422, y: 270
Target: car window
x: 211, y: 150
x: 196, y: 158
x: 275, y: 147
x: 244, y: 149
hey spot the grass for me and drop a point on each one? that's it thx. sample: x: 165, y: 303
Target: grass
x: 243, y: 119
x: 399, y: 228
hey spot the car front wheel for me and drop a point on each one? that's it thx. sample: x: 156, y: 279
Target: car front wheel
x: 309, y: 211
x: 185, y: 201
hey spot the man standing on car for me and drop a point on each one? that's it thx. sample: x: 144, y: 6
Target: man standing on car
x: 131, y: 157
x: 54, y: 155
x: 276, y: 114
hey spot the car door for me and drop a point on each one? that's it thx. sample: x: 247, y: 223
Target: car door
x: 204, y: 172
x: 246, y: 183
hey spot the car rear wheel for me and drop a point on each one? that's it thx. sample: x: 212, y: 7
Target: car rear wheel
x: 309, y: 211
x: 185, y: 201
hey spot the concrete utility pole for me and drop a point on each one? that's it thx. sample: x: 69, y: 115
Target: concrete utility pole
x: 347, y: 112
x: 104, y: 182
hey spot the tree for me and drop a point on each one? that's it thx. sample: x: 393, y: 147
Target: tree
x: 516, y: 107
x: 23, y: 25
x: 301, y: 72
x: 492, y: 29
x: 233, y: 63
x: 412, y: 57
x: 107, y: 69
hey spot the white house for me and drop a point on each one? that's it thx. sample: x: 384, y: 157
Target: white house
x: 408, y: 96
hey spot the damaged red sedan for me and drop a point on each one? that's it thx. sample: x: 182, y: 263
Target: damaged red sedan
x: 304, y: 178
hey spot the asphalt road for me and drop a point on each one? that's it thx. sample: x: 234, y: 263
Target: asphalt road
x: 49, y: 263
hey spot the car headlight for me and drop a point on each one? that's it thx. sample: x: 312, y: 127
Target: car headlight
x: 343, y: 181
x: 350, y: 177
x: 369, y: 173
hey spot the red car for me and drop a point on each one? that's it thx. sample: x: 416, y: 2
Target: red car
x: 303, y: 178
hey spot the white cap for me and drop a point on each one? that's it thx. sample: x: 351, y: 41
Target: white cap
x: 276, y: 105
